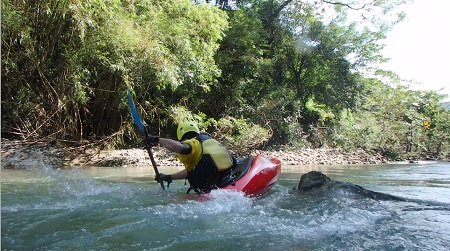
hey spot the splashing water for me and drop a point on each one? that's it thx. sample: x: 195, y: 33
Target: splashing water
x: 47, y: 209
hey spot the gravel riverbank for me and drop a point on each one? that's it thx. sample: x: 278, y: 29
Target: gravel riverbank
x: 17, y: 155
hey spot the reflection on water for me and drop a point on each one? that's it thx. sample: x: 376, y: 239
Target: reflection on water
x: 124, y: 209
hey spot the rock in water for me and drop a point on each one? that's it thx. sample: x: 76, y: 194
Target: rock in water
x: 318, y: 181
x: 312, y: 180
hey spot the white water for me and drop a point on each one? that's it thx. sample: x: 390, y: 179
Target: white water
x: 124, y: 209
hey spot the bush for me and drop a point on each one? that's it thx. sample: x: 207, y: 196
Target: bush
x: 240, y: 136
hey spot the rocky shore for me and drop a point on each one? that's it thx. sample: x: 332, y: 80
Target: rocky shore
x: 17, y: 155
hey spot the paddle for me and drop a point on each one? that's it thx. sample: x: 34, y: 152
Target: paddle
x: 138, y: 121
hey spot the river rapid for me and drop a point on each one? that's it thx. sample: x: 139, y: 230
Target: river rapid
x: 124, y: 209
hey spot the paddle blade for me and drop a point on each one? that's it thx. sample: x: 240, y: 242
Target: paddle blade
x: 134, y: 113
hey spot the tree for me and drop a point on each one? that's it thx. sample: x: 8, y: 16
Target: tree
x: 69, y: 61
x: 295, y: 57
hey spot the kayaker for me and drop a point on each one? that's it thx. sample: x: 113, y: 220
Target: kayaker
x: 206, y: 162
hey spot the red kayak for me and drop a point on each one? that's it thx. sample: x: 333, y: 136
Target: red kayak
x: 254, y: 176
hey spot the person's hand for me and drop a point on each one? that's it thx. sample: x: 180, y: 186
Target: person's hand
x: 164, y: 177
x: 151, y: 141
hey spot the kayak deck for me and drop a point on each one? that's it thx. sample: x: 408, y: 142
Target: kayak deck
x: 254, y: 176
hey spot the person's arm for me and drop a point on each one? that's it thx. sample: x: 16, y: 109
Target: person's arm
x: 175, y: 146
x: 174, y: 176
x: 178, y: 147
x: 171, y: 145
x: 181, y: 175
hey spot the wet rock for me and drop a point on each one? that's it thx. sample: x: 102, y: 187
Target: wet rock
x: 319, y: 182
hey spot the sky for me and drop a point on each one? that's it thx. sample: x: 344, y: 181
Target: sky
x: 419, y: 46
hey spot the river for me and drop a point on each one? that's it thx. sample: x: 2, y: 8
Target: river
x: 124, y: 209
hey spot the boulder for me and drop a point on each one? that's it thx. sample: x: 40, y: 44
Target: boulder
x: 319, y: 182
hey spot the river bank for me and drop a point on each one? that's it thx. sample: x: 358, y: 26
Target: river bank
x: 20, y: 155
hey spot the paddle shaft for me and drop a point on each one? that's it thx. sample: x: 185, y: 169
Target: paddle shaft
x: 140, y: 124
x: 152, y: 159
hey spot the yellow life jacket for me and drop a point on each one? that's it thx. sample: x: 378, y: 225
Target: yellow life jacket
x: 207, y: 163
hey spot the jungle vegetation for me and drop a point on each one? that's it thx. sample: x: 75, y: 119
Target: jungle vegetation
x: 274, y: 74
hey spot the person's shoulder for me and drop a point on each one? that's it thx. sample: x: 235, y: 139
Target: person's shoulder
x: 203, y: 137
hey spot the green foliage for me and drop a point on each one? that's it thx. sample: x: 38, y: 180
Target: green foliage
x: 69, y: 74
x: 240, y: 136
x: 35, y: 69
x: 180, y: 114
x: 396, y: 122
x: 244, y: 69
x: 325, y: 113
x: 270, y: 73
